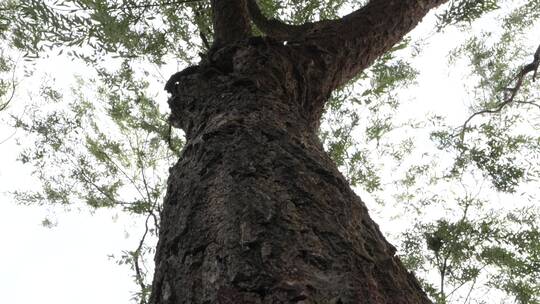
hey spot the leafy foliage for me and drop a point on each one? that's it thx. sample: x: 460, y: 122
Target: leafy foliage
x: 466, y: 11
x: 499, y: 249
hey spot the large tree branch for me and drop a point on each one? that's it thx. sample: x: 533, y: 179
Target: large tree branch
x: 332, y: 52
x: 356, y: 40
x: 353, y: 42
x: 230, y: 20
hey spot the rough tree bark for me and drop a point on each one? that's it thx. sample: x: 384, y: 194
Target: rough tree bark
x: 256, y: 212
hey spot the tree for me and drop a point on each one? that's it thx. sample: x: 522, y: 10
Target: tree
x: 251, y: 133
x: 255, y: 210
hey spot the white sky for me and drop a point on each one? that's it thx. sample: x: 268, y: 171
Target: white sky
x: 66, y: 264
x: 69, y: 263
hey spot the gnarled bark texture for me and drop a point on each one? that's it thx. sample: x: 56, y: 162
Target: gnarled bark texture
x: 256, y: 212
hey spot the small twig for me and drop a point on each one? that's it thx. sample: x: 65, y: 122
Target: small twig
x: 529, y: 103
x: 485, y: 111
x: 129, y: 178
x: 16, y: 129
x: 136, y: 256
x: 472, y: 287
x: 90, y: 182
x: 9, y: 137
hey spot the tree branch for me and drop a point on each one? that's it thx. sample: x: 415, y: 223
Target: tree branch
x: 353, y: 42
x: 335, y: 51
x: 230, y: 20
x: 509, y: 93
x: 136, y: 255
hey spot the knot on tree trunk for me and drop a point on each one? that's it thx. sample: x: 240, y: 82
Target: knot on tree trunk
x: 259, y: 79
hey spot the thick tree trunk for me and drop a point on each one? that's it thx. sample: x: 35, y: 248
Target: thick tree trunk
x: 256, y: 212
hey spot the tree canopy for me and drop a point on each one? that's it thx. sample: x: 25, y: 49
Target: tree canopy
x: 463, y: 186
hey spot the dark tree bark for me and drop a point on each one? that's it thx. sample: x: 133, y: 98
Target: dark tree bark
x: 256, y: 212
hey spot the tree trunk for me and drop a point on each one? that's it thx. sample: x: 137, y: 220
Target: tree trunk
x: 256, y: 211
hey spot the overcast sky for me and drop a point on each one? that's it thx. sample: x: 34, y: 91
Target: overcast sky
x: 65, y: 264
